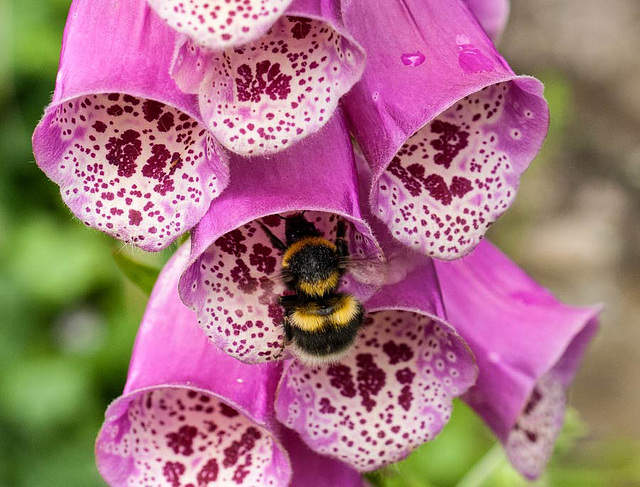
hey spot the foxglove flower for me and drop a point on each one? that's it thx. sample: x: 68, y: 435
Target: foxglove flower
x: 192, y: 416
x: 527, y: 345
x: 394, y: 391
x: 443, y: 121
x: 126, y: 146
x: 231, y: 281
x: 271, y: 92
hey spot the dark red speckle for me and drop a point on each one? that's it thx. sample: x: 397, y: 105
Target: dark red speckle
x: 451, y: 141
x: 172, y: 472
x: 124, y: 151
x: 268, y: 80
x: 397, y: 353
x: 181, y: 442
x: 135, y: 217
x: 371, y: 379
x: 342, y: 380
x: 208, y: 474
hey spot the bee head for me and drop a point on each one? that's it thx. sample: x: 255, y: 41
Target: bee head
x: 311, y: 266
x: 298, y: 227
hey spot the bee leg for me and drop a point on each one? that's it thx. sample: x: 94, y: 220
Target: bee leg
x: 288, y: 332
x: 275, y: 241
x: 280, y: 352
x: 341, y: 243
x: 288, y: 337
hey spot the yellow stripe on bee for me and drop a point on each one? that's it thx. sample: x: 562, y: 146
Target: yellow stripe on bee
x: 346, y: 311
x: 307, y: 318
x: 294, y: 248
x: 306, y: 321
x: 319, y: 288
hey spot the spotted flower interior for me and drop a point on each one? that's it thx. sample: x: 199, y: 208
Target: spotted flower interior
x: 456, y: 175
x: 134, y: 168
x: 180, y: 437
x: 389, y: 396
x: 531, y: 440
x: 218, y: 24
x: 264, y: 96
x: 235, y: 285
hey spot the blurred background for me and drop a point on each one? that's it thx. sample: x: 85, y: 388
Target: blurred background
x: 68, y: 314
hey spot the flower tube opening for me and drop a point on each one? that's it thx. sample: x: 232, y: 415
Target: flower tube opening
x: 180, y: 421
x: 124, y: 144
x: 180, y: 436
x: 390, y: 395
x: 444, y: 123
x: 233, y: 280
x: 235, y: 285
x: 265, y: 96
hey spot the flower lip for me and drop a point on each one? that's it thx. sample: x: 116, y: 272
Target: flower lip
x: 405, y: 370
x: 128, y: 420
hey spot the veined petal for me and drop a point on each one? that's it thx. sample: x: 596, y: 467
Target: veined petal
x: 444, y: 123
x: 492, y: 15
x: 394, y: 392
x: 233, y: 280
x: 266, y: 95
x: 189, y: 414
x: 528, y: 347
x: 123, y: 142
x: 219, y: 24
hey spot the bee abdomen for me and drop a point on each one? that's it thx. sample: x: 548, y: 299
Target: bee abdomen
x: 336, y: 312
x: 327, y: 334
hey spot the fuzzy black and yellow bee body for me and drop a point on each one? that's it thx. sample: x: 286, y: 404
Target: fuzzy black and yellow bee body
x: 320, y: 323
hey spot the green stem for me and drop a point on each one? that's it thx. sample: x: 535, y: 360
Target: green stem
x: 484, y: 468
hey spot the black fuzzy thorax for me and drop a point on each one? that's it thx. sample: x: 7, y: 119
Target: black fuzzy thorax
x: 312, y: 263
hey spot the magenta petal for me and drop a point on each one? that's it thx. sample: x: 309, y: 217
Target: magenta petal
x: 528, y: 347
x: 233, y: 279
x: 219, y: 24
x: 395, y: 390
x: 492, y: 15
x: 313, y: 470
x: 444, y: 123
x: 189, y: 415
x: 122, y: 141
x: 266, y: 95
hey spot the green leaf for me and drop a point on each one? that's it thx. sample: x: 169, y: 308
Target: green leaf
x: 142, y: 275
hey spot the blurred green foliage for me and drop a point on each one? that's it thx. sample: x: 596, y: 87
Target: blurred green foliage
x: 69, y: 316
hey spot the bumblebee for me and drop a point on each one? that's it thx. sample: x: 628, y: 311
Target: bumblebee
x: 320, y: 323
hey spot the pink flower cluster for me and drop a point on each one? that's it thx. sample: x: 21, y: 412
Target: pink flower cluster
x: 397, y: 118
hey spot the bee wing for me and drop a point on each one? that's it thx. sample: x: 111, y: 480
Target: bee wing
x: 368, y: 270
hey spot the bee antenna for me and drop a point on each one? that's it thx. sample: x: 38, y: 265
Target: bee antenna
x: 275, y: 241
